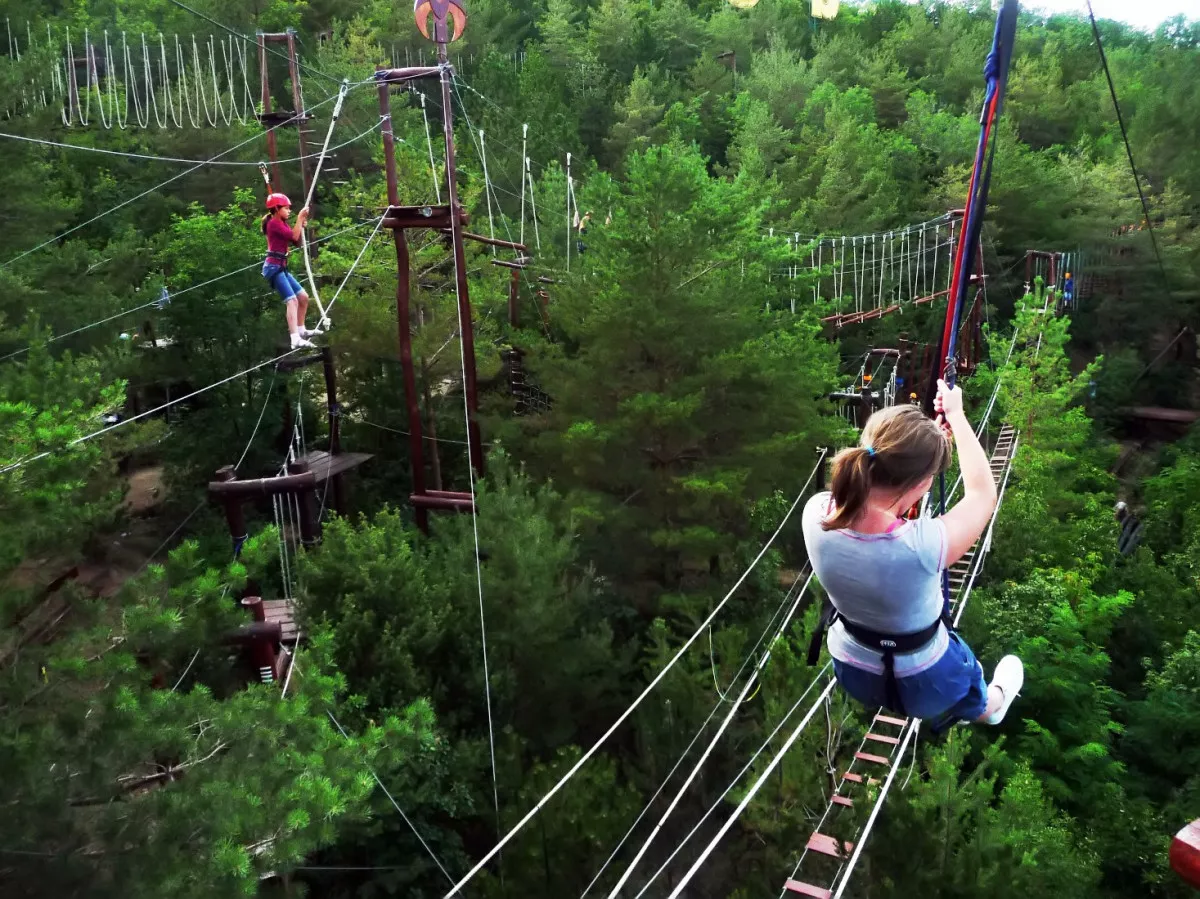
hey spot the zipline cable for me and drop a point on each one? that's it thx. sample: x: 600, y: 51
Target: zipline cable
x: 750, y: 682
x: 323, y: 321
x: 172, y: 296
x: 1128, y: 150
x: 155, y: 188
x: 42, y: 455
x: 463, y: 325
x: 641, y: 696
x: 176, y: 159
x: 699, y: 731
x: 396, y: 806
x: 350, y: 271
x: 818, y: 703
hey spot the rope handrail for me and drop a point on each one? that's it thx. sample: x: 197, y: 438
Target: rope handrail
x: 641, y: 696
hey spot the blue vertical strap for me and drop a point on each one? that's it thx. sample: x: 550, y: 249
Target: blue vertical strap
x: 995, y: 71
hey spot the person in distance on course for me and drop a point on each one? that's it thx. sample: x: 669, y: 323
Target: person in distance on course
x: 280, y: 238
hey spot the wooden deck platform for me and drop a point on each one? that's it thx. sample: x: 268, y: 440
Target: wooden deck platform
x: 324, y: 466
x: 283, y: 612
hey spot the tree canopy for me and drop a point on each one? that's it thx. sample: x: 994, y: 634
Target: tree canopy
x: 655, y: 385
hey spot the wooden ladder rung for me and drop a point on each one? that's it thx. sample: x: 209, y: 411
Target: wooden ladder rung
x: 880, y: 738
x: 827, y: 845
x: 887, y: 719
x: 807, y: 889
x: 867, y: 757
x: 842, y: 800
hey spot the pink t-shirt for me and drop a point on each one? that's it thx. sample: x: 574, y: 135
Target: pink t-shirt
x: 279, y: 237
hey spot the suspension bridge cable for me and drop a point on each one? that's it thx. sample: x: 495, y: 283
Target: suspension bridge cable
x: 824, y: 672
x: 157, y: 187
x: 1128, y: 150
x: 396, y: 806
x: 78, y: 440
x: 350, y: 271
x: 463, y: 324
x: 251, y: 41
x: 176, y: 159
x: 753, y: 791
x: 641, y: 696
x: 750, y: 682
x: 172, y: 296
x: 489, y: 185
x: 683, y: 755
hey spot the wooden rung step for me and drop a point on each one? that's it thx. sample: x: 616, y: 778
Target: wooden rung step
x: 858, y: 778
x: 867, y: 757
x: 888, y: 719
x: 880, y: 738
x: 796, y: 886
x: 827, y: 845
x: 807, y: 889
x: 842, y: 800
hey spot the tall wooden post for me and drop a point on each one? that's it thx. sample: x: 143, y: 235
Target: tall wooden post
x: 235, y: 518
x: 297, y: 117
x: 403, y: 307
x: 298, y: 106
x: 450, y: 220
x: 265, y: 99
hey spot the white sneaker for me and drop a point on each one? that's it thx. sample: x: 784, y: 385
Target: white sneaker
x: 298, y: 341
x: 304, y: 332
x: 1009, y: 677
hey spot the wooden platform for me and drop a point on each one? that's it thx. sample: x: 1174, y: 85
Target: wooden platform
x: 282, y: 611
x: 323, y: 466
x: 1159, y: 413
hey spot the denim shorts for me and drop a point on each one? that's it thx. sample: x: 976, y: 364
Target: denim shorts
x: 951, y: 689
x: 281, y: 281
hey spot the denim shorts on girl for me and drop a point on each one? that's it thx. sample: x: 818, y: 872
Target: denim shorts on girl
x: 951, y: 689
x: 281, y: 281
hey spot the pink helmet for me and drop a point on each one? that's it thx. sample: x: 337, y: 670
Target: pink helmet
x: 274, y: 201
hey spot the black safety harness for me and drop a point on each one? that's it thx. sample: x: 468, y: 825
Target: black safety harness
x: 279, y: 258
x: 888, y: 645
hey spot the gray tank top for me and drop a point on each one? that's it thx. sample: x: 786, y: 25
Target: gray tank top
x: 886, y: 582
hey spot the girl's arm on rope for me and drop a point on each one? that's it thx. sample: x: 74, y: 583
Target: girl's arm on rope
x: 298, y: 228
x: 966, y: 521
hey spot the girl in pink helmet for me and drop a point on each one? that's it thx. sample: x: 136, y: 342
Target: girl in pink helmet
x: 280, y: 238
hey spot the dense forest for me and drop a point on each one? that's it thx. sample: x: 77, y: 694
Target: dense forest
x: 653, y: 396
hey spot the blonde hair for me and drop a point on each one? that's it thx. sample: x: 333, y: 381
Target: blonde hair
x: 899, y: 448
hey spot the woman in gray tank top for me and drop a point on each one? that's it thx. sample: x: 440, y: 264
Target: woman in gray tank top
x: 882, y: 572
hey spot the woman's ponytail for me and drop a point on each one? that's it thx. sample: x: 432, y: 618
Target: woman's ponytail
x: 851, y: 486
x: 266, y: 218
x: 901, y: 448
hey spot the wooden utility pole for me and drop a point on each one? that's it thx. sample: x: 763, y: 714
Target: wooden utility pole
x: 298, y: 116
x: 449, y: 19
